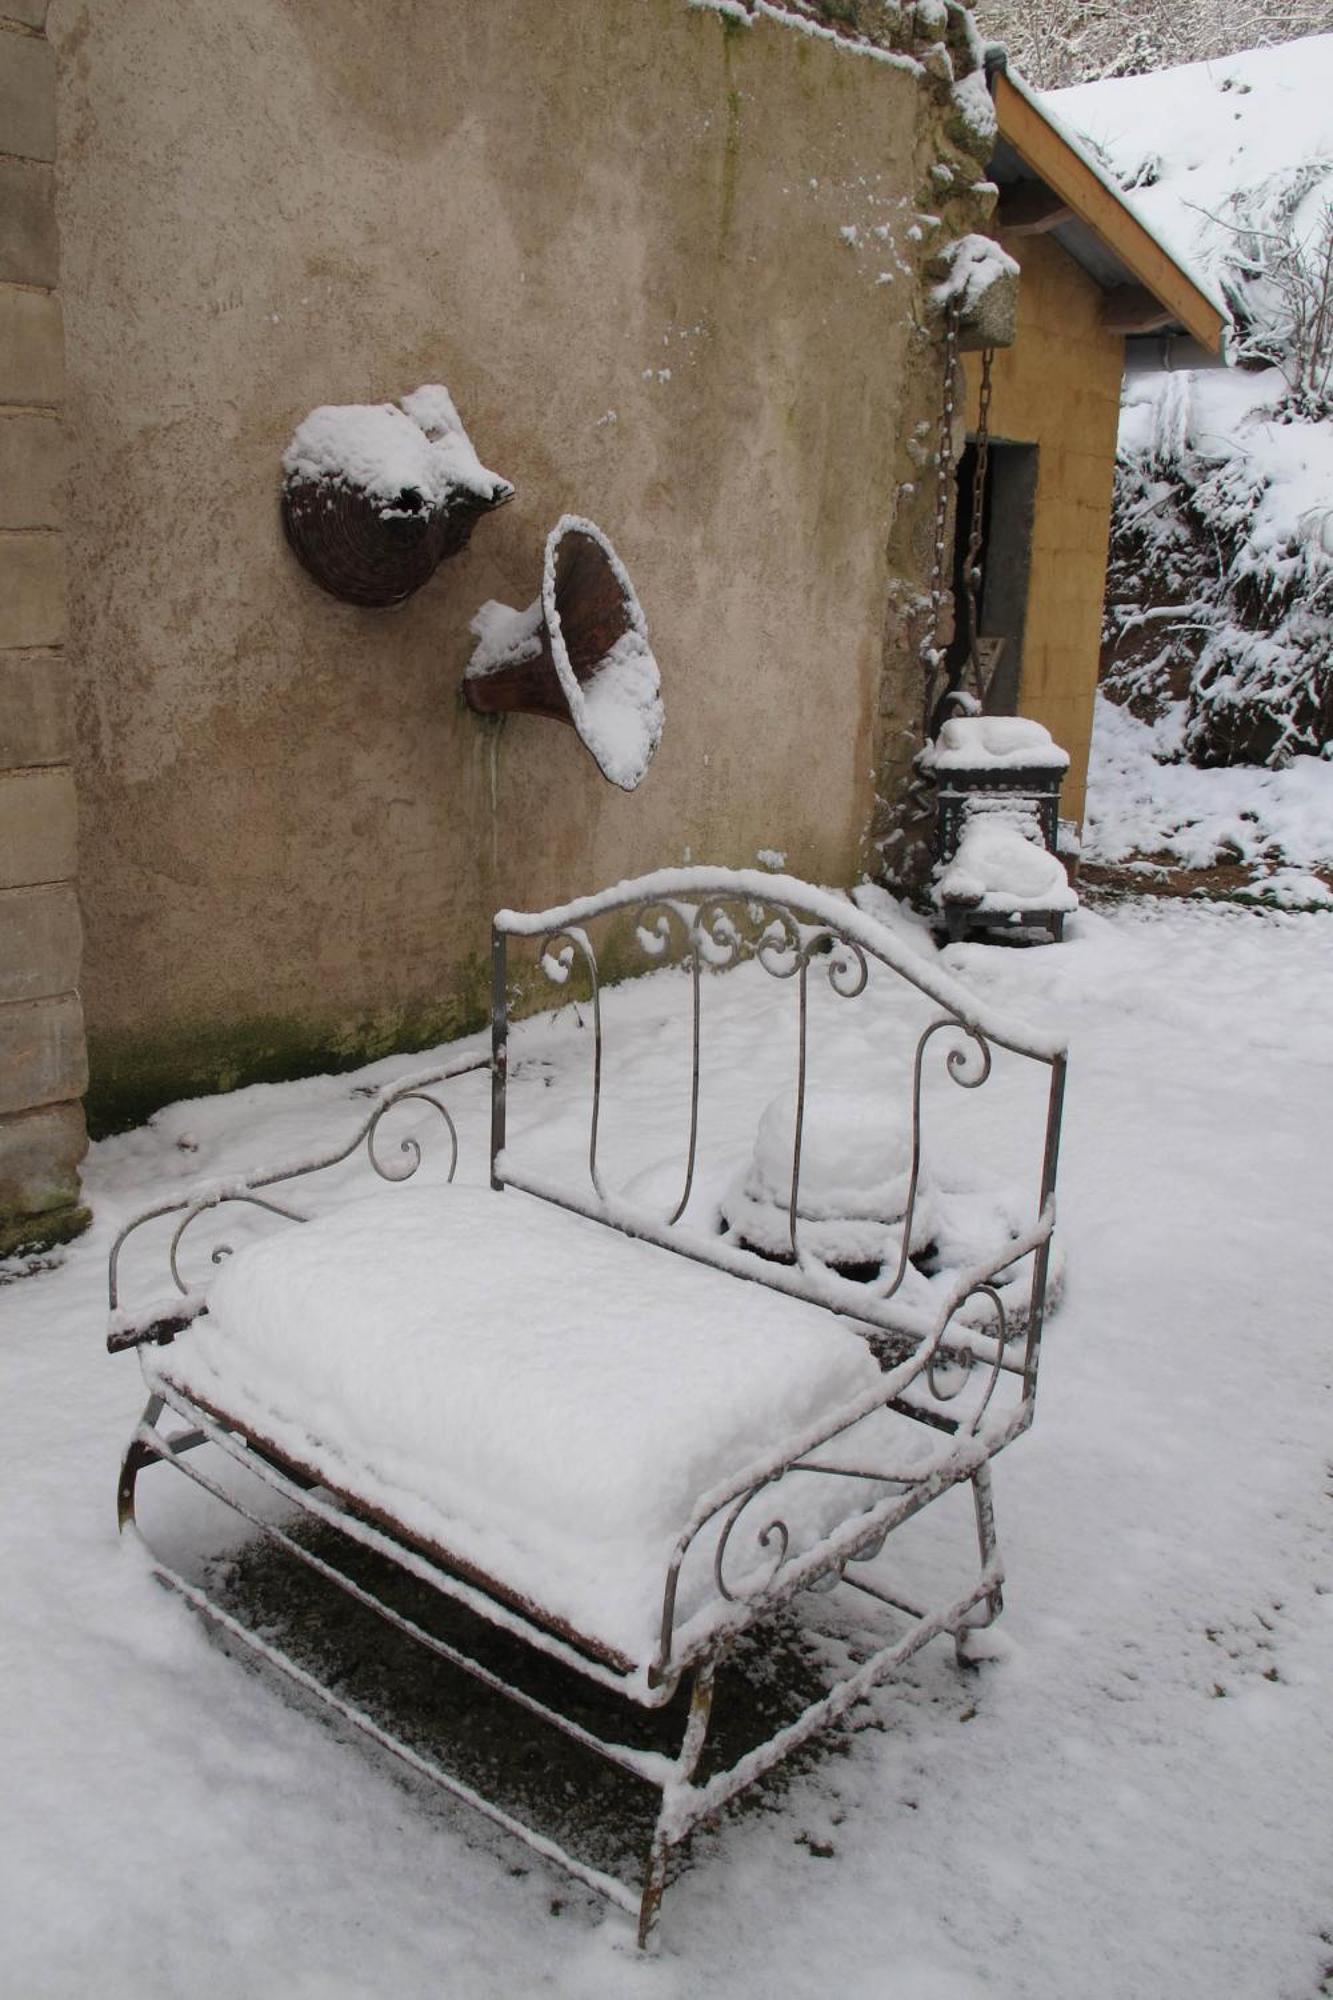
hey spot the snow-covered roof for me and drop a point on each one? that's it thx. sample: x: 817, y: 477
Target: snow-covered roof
x: 1095, y: 221
x: 1190, y: 143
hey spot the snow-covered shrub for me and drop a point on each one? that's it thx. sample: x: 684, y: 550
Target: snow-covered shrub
x: 1220, y: 593
x: 1275, y: 266
x: 1220, y: 589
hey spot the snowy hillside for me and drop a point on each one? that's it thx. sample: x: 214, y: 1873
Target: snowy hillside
x: 1220, y: 596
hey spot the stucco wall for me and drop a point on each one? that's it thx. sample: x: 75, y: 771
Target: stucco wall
x: 617, y: 231
x: 1058, y: 387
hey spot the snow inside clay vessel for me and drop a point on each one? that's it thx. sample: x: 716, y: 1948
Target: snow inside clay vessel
x: 376, y: 495
x: 578, y: 654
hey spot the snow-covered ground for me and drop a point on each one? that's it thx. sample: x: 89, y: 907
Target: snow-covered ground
x: 1140, y: 804
x: 1132, y: 1802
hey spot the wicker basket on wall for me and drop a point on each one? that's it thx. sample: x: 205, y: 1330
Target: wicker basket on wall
x: 376, y: 495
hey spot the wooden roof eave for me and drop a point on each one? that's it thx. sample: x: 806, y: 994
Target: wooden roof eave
x: 1045, y: 150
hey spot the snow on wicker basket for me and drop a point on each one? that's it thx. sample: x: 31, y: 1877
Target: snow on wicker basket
x: 614, y: 1430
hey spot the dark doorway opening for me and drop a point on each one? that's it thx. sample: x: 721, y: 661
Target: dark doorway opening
x: 1008, y: 505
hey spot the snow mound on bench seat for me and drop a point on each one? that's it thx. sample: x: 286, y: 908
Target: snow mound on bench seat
x: 535, y: 1393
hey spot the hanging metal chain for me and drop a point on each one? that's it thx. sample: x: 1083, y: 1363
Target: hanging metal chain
x: 972, y: 577
x: 932, y: 650
x: 937, y: 702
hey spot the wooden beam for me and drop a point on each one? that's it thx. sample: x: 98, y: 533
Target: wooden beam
x: 1053, y: 160
x: 1134, y: 309
x: 1029, y: 208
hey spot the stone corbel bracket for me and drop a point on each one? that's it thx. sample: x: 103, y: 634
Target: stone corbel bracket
x: 979, y: 281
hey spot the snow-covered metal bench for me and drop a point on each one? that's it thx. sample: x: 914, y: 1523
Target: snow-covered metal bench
x: 601, y: 1421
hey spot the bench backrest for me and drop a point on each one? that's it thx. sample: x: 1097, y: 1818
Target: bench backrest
x: 712, y: 919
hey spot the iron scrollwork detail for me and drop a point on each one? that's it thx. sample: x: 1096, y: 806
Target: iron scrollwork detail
x: 962, y: 1357
x: 251, y: 1190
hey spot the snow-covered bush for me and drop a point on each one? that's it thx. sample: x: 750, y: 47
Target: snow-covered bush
x: 1278, y: 280
x: 1220, y: 589
x: 1220, y: 592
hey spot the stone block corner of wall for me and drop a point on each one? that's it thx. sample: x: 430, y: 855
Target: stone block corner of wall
x: 34, y: 1235
x: 40, y: 1203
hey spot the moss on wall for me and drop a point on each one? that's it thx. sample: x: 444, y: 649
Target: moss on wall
x: 134, y: 1073
x: 32, y: 1235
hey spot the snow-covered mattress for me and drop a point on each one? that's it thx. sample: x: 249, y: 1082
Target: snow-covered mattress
x: 533, y: 1393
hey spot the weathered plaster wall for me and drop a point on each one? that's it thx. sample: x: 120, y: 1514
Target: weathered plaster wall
x: 42, y: 1055
x: 1058, y: 387
x: 619, y: 232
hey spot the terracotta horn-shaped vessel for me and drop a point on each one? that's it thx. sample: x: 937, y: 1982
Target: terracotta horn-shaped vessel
x: 579, y: 654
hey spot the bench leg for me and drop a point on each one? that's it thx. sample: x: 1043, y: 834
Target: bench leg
x: 983, y: 1501
x: 136, y: 1458
x: 691, y: 1749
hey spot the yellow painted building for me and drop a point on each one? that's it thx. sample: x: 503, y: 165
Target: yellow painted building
x: 1092, y: 276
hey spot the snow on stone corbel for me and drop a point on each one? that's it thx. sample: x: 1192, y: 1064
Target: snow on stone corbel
x: 376, y: 495
x: 980, y: 284
x: 579, y: 654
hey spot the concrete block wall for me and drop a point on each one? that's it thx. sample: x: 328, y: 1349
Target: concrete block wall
x: 43, y: 1064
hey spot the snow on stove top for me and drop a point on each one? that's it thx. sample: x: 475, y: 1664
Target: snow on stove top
x: 997, y: 742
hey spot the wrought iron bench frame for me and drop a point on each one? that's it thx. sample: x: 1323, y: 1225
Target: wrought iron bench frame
x: 930, y: 1371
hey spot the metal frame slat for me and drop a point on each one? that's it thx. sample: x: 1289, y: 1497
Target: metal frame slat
x: 592, y: 1878
x: 649, y: 1765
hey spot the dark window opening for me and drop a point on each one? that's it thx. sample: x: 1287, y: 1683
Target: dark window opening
x: 1006, y: 561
